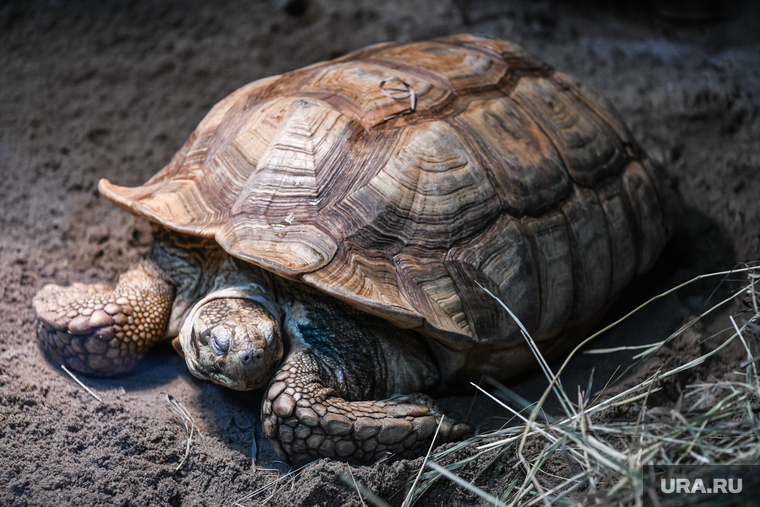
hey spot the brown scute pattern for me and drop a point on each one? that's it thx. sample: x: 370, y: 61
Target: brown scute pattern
x: 425, y: 282
x: 430, y: 187
x: 647, y: 213
x: 501, y: 259
x: 587, y: 152
x: 452, y: 68
x: 621, y: 228
x: 368, y: 274
x: 521, y: 160
x: 670, y: 202
x: 595, y: 102
x: 591, y: 256
x: 353, y: 89
x: 508, y: 174
x: 551, y: 251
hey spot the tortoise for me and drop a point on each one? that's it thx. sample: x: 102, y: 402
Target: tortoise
x: 334, y: 231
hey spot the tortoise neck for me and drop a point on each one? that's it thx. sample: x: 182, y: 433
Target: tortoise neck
x: 199, y: 268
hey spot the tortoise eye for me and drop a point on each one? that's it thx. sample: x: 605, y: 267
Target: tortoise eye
x: 220, y: 341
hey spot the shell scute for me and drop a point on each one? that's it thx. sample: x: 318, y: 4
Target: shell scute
x: 368, y: 276
x: 452, y: 193
x: 553, y: 257
x: 501, y: 260
x: 621, y: 228
x: 587, y: 151
x: 649, y: 217
x: 521, y: 160
x: 454, y: 68
x: 426, y: 284
x: 354, y: 88
x: 591, y: 255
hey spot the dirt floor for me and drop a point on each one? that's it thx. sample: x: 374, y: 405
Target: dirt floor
x: 112, y: 89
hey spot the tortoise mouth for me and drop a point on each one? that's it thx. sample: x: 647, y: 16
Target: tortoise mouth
x: 218, y: 377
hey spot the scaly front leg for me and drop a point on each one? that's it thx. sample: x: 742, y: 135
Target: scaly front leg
x: 321, y: 402
x: 103, y: 330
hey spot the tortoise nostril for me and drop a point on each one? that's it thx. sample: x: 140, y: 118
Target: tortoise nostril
x: 259, y: 355
x: 245, y: 356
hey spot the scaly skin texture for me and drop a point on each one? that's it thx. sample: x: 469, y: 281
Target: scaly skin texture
x: 318, y: 404
x: 326, y: 400
x: 103, y: 330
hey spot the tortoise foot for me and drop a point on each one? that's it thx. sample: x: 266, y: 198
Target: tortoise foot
x: 94, y: 328
x: 302, y: 428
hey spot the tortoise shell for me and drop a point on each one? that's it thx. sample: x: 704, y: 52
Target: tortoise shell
x: 403, y: 177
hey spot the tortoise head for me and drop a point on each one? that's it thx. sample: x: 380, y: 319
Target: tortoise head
x: 232, y: 341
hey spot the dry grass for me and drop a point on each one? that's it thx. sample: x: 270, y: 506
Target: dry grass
x: 600, y: 459
x: 175, y: 406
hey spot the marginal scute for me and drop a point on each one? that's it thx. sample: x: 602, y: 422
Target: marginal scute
x: 172, y: 195
x: 551, y: 249
x: 650, y: 220
x: 368, y: 276
x: 596, y: 102
x: 428, y: 287
x: 590, y: 248
x: 621, y: 227
x: 501, y: 260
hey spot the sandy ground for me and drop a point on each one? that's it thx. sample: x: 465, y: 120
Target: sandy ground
x: 112, y: 89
